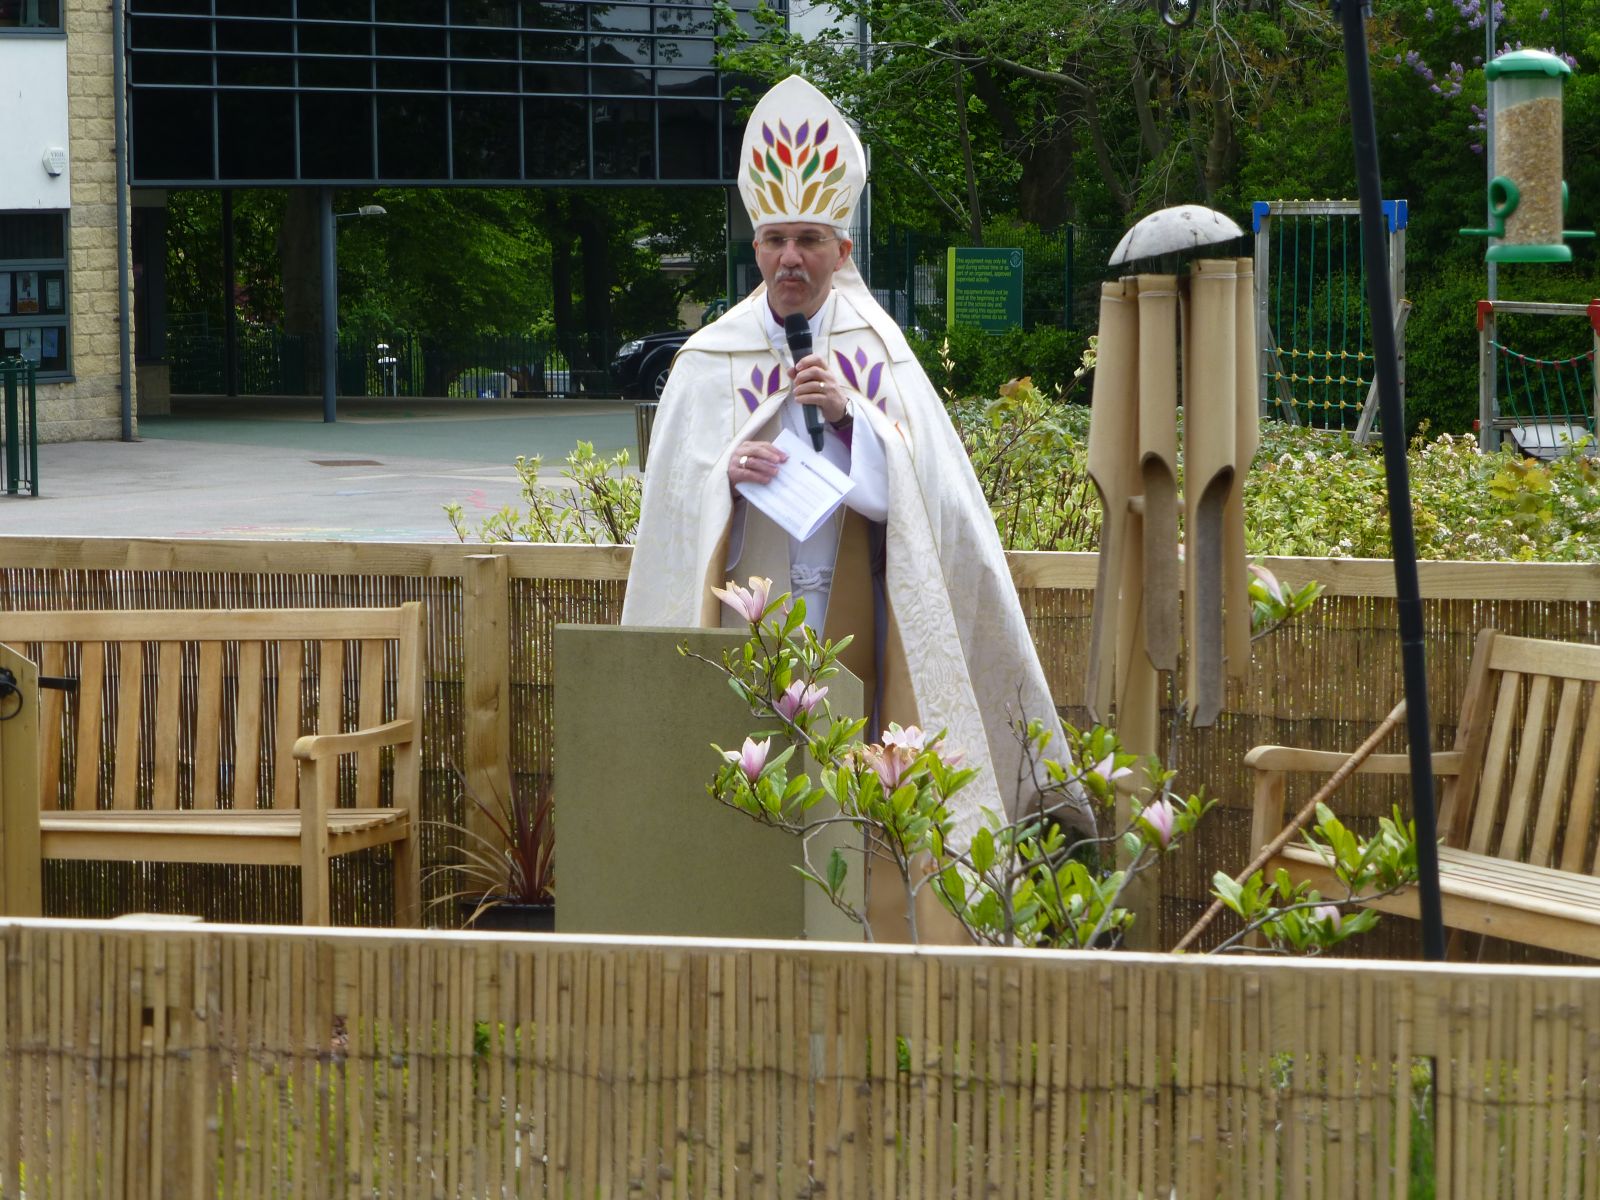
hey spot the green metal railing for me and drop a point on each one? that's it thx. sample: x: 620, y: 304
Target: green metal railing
x: 375, y: 362
x: 21, y: 417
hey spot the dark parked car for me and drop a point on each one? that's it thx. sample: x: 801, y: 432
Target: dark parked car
x: 641, y: 366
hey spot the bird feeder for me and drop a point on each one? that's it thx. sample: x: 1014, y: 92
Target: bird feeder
x: 1528, y: 197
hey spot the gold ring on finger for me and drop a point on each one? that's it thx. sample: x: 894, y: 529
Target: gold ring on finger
x: 743, y: 459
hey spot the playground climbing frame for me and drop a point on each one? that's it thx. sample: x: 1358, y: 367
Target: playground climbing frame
x: 1311, y: 311
x: 1545, y: 404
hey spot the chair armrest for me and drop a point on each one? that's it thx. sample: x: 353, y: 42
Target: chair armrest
x: 322, y: 745
x: 1293, y: 758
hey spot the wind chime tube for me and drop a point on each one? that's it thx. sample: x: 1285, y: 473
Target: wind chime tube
x: 1402, y: 535
x: 1158, y: 464
x: 1210, y: 396
x: 1247, y: 438
x: 1114, y: 470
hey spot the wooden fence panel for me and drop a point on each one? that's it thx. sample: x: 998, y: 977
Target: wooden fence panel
x: 161, y: 1060
x: 1326, y: 680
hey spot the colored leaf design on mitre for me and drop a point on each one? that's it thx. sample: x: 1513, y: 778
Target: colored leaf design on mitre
x: 801, y: 173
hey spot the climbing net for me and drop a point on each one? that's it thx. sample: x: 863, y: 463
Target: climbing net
x: 1545, y: 404
x: 1316, y: 354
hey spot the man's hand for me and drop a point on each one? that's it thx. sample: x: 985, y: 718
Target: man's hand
x: 815, y: 384
x: 755, y: 462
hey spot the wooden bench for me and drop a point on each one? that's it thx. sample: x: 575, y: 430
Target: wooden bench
x: 213, y: 736
x: 1517, y: 809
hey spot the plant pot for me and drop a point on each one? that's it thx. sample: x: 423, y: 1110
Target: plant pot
x: 507, y: 916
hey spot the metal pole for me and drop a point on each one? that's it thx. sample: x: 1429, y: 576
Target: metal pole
x: 1488, y: 435
x: 119, y: 118
x: 330, y: 311
x: 230, y: 315
x: 1408, y: 591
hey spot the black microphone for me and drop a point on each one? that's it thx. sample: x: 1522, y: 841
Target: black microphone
x: 798, y: 330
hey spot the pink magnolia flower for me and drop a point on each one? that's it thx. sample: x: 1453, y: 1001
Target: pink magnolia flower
x: 910, y: 738
x: 748, y: 603
x: 799, y: 697
x: 890, y: 762
x: 1268, y: 581
x: 1162, y: 818
x: 1107, y: 769
x: 1326, y: 912
x: 751, y: 757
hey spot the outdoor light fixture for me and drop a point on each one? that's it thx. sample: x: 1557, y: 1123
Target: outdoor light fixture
x: 1527, y: 196
x: 330, y: 297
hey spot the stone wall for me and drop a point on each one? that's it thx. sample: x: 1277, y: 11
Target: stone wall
x: 90, y: 405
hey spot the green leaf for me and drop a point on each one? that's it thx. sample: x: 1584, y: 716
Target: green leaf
x: 838, y: 868
x: 982, y: 851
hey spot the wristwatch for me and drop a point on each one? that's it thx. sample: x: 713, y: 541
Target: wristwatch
x: 847, y: 420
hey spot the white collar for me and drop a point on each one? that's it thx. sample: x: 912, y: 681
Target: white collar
x: 819, y: 321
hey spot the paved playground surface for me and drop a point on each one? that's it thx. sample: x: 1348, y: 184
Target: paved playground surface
x: 273, y: 469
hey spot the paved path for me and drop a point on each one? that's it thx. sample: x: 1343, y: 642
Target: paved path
x: 273, y: 469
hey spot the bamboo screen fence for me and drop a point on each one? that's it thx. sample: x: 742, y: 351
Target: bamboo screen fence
x: 139, y: 1059
x: 1325, y: 681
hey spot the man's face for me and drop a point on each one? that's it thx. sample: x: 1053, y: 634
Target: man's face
x: 798, y: 260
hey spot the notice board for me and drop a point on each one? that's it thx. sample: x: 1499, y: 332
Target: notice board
x: 984, y: 287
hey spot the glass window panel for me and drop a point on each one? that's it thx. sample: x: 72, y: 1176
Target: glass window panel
x: 687, y: 83
x: 324, y: 38
x: 248, y: 70
x: 619, y: 50
x: 338, y: 10
x: 43, y: 345
x: 689, y: 144
x: 485, y: 137
x: 33, y: 235
x: 159, y: 7
x: 411, y: 43
x: 43, y: 15
x: 685, y: 19
x: 546, y: 79
x: 553, y: 47
x: 411, y: 76
x: 255, y: 8
x: 624, y: 140
x: 497, y: 14
x: 335, y: 72
x: 553, y: 16
x: 473, y: 44
x: 256, y: 36
x: 685, y: 52
x: 252, y: 135
x: 156, y: 34
x: 169, y: 68
x: 555, y: 139
x: 619, y: 81
x: 621, y: 18
x: 484, y: 77
x: 335, y: 135
x: 412, y: 12
x: 411, y: 137
x: 157, y: 154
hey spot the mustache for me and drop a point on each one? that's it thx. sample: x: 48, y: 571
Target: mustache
x: 788, y: 273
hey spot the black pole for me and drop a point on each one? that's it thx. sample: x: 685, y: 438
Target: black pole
x: 230, y: 312
x: 1408, y: 592
x: 330, y: 308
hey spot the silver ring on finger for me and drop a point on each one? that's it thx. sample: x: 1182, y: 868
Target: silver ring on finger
x: 743, y: 459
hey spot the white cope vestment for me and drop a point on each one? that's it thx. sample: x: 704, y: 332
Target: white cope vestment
x: 956, y: 624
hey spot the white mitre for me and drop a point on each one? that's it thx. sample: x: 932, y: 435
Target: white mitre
x: 802, y: 161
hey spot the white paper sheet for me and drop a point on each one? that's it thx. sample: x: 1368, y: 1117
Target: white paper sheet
x: 807, y: 490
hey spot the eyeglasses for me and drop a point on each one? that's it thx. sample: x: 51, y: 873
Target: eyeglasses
x: 806, y: 243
